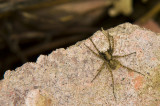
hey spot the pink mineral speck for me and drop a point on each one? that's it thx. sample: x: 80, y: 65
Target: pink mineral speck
x: 138, y: 81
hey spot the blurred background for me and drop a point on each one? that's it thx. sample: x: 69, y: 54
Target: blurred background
x: 29, y: 28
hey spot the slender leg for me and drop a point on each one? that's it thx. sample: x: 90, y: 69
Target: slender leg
x: 124, y: 55
x: 110, y: 40
x: 99, y: 70
x: 94, y: 45
x: 92, y: 51
x: 112, y: 82
x: 129, y: 69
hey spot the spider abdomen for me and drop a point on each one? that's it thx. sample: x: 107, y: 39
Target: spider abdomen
x: 113, y: 64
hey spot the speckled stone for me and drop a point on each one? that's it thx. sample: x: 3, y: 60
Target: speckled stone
x: 63, y: 78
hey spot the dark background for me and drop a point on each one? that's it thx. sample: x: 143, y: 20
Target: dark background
x: 29, y: 28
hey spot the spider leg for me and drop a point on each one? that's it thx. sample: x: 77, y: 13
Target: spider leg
x: 123, y: 55
x: 93, y: 51
x: 94, y: 45
x: 112, y: 82
x: 99, y: 70
x: 129, y: 69
x: 110, y: 40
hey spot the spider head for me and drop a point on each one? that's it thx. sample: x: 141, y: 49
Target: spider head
x: 105, y: 56
x: 108, y: 56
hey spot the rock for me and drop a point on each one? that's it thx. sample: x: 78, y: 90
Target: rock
x: 64, y: 76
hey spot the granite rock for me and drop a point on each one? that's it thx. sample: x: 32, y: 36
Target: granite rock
x: 64, y: 76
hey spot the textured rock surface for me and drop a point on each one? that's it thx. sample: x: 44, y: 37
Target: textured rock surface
x: 64, y: 76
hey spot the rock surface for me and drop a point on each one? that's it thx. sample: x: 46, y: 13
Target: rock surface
x: 64, y: 76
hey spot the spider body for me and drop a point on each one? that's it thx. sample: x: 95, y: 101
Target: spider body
x: 113, y: 64
x: 107, y: 57
x: 109, y: 60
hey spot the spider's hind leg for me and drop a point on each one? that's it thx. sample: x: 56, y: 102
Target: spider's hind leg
x: 116, y: 56
x: 112, y: 82
x: 129, y: 69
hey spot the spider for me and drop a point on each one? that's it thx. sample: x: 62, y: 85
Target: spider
x: 109, y: 60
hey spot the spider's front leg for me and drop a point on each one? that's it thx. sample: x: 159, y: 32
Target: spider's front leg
x: 102, y: 66
x: 110, y: 40
x: 98, y: 55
